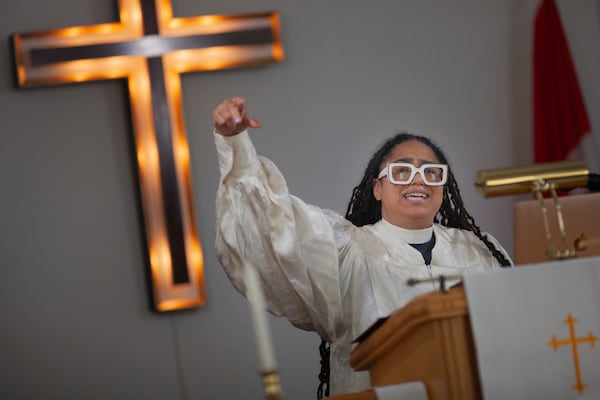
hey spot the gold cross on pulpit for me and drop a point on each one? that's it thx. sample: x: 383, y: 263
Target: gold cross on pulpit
x: 150, y: 48
x: 573, y: 341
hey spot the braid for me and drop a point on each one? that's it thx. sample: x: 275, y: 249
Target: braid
x: 364, y: 209
x: 453, y: 214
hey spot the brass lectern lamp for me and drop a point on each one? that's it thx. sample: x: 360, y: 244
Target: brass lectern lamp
x: 539, y: 179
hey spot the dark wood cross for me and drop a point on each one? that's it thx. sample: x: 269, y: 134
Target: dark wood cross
x: 151, y: 49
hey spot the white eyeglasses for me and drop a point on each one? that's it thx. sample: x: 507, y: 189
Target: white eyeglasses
x: 400, y: 173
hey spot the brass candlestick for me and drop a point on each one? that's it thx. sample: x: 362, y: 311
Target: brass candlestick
x: 272, y: 385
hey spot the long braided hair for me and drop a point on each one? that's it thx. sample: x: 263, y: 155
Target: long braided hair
x: 364, y: 209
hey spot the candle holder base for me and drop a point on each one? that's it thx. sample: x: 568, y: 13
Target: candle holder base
x: 272, y: 385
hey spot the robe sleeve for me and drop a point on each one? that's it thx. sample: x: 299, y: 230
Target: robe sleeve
x: 292, y: 245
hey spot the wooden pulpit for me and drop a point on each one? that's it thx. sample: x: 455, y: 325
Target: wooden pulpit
x: 428, y: 340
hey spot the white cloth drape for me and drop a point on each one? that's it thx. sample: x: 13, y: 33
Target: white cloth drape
x: 403, y: 391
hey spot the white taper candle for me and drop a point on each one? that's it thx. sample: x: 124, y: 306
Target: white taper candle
x: 255, y: 297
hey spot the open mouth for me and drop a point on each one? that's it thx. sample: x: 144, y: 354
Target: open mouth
x: 416, y: 196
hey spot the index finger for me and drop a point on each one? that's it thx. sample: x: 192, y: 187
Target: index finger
x: 239, y: 105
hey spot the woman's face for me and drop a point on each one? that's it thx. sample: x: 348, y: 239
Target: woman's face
x: 414, y: 205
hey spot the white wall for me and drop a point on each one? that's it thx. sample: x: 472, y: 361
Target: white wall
x: 74, y: 315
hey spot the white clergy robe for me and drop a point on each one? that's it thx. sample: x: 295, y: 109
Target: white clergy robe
x: 319, y: 270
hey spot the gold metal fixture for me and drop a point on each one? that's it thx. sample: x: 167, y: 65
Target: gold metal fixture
x: 539, y: 179
x: 272, y: 386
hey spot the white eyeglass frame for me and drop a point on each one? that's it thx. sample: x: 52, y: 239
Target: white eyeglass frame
x: 387, y: 171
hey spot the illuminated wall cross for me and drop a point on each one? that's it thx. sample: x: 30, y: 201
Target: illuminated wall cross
x: 151, y: 49
x: 573, y: 341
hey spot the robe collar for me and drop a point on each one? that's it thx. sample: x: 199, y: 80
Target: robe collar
x: 411, y: 236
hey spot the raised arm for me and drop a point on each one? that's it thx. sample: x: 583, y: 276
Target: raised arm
x: 291, y: 244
